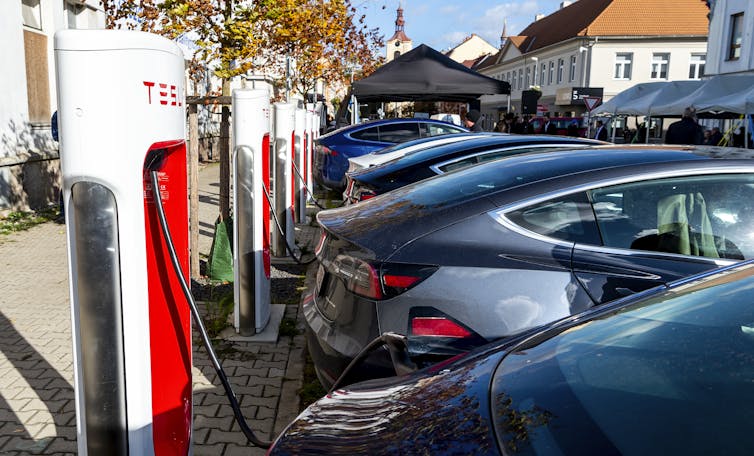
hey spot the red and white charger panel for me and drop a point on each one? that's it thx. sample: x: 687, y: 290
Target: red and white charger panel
x: 285, y: 139
x: 251, y: 209
x: 300, y: 160
x: 121, y: 113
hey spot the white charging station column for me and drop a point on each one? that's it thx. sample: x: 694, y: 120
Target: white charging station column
x: 284, y: 178
x: 251, y: 210
x: 309, y: 149
x: 121, y: 111
x: 300, y: 158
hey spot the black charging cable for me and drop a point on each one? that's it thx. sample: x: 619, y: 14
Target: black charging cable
x: 253, y: 439
x: 397, y: 346
x: 306, y: 189
x: 292, y: 254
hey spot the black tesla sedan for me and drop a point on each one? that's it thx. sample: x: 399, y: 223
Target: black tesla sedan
x: 422, y: 164
x: 667, y: 371
x: 492, y: 250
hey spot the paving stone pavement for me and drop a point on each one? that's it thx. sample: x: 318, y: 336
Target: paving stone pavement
x: 37, y: 412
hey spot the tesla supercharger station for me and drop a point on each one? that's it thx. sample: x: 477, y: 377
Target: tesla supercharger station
x: 251, y: 209
x: 285, y: 203
x: 300, y: 160
x: 121, y: 111
x: 309, y: 149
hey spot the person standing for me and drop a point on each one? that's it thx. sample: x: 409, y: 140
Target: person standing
x: 686, y: 130
x: 472, y: 121
x: 549, y: 128
x: 601, y: 132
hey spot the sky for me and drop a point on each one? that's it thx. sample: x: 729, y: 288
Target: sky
x: 443, y: 24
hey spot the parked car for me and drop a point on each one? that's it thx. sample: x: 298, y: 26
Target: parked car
x: 667, y: 371
x: 333, y: 150
x: 368, y: 183
x: 491, y: 250
x: 447, y: 117
x: 389, y: 153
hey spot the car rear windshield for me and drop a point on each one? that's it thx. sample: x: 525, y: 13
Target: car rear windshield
x: 670, y: 375
x: 489, y: 178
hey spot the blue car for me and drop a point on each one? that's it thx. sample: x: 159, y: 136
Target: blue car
x: 666, y: 371
x: 333, y: 150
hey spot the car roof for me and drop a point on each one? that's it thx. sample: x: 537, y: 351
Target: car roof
x: 423, y: 141
x: 448, y: 198
x: 372, y: 123
x: 470, y: 145
x: 397, y: 150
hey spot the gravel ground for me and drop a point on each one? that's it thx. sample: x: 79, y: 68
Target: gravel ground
x: 286, y: 281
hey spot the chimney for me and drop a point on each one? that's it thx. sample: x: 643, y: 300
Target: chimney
x: 538, y: 17
x: 565, y: 3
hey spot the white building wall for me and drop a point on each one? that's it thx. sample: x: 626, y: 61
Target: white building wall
x: 13, y: 109
x: 604, y: 59
x: 595, y: 67
x: 719, y: 38
x: 28, y: 156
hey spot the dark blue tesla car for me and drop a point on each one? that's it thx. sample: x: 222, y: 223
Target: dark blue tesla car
x: 666, y: 371
x: 333, y: 150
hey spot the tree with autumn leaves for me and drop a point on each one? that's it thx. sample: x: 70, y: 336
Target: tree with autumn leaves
x: 323, y: 39
x: 317, y: 39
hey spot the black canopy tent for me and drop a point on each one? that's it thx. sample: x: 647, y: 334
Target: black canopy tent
x: 423, y: 74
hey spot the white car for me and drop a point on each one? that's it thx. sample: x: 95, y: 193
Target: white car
x: 452, y: 118
x: 399, y: 150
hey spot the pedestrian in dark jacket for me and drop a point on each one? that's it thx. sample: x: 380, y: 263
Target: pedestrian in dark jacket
x: 715, y: 137
x: 601, y: 132
x: 686, y: 130
x: 472, y: 121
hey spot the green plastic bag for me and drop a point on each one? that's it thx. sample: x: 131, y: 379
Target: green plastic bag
x: 220, y: 263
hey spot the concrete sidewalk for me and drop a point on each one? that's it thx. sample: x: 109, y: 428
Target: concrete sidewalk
x: 37, y: 412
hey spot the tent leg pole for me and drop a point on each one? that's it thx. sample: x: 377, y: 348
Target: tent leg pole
x: 746, y: 132
x: 648, y: 124
x: 612, y: 127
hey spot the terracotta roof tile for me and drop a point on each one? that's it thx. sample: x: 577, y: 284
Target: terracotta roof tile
x: 617, y: 18
x: 399, y: 35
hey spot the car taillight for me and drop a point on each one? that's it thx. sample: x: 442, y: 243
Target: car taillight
x: 374, y: 281
x: 366, y: 194
x: 359, y: 276
x: 321, y: 243
x: 438, y: 327
x: 399, y: 277
x: 325, y: 150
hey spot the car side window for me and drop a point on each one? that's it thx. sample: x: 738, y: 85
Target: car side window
x: 400, y: 132
x: 708, y: 216
x: 367, y: 134
x: 438, y: 130
x: 569, y: 218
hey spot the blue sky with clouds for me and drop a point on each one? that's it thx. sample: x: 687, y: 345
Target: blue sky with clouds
x: 442, y: 24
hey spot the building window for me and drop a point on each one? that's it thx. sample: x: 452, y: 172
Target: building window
x: 515, y: 81
x: 543, y: 74
x: 31, y: 13
x: 572, y: 72
x: 551, y: 75
x: 736, y: 36
x: 520, y: 78
x: 528, y: 78
x: 561, y: 70
x: 623, y: 65
x: 660, y: 66
x: 696, y: 65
